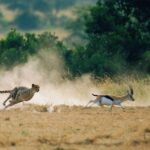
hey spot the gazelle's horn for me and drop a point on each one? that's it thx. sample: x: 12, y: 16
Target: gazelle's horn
x: 131, y: 90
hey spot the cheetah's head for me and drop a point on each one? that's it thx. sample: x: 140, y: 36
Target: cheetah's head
x: 35, y: 87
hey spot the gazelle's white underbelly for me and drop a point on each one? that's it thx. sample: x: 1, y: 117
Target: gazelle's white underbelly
x: 106, y: 101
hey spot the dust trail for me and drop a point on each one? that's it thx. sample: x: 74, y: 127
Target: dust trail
x: 47, y: 70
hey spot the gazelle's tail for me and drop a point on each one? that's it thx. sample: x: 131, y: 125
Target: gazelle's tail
x: 7, y: 91
x: 95, y: 94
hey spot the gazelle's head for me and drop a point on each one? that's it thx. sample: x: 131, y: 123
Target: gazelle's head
x: 130, y: 94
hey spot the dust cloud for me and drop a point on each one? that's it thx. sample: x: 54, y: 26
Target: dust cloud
x: 47, y: 70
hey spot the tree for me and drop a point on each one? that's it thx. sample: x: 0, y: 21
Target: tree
x: 16, y: 47
x: 11, y: 49
x: 116, y: 35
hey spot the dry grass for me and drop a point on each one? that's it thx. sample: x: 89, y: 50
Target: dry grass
x: 74, y: 128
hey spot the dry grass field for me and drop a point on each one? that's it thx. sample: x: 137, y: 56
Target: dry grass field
x: 33, y: 127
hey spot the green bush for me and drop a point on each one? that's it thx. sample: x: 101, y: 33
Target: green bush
x: 16, y: 47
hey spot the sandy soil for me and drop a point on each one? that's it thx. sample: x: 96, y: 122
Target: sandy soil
x: 74, y: 128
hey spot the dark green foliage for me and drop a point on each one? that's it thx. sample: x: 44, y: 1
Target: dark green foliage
x: 12, y: 49
x: 11, y: 57
x: 117, y: 40
x: 16, y: 47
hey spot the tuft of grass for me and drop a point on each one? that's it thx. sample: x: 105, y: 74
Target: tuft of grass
x: 7, y: 119
x: 147, y: 130
x: 88, y: 141
x: 12, y: 143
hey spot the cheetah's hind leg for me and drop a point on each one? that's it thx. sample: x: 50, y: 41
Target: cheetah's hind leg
x: 7, y: 100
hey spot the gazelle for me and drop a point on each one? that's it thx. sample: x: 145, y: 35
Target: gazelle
x: 112, y: 100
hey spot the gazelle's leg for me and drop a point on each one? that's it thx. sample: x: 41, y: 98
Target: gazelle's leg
x: 122, y: 107
x: 111, y: 107
x: 87, y: 103
x: 90, y: 102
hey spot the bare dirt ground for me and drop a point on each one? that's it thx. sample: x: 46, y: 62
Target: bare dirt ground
x: 75, y: 128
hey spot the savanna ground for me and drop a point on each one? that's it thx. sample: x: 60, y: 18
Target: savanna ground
x: 33, y: 127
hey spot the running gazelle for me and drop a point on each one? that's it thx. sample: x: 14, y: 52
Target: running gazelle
x: 112, y: 100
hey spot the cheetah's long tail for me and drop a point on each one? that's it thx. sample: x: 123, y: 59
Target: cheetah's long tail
x: 6, y: 91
